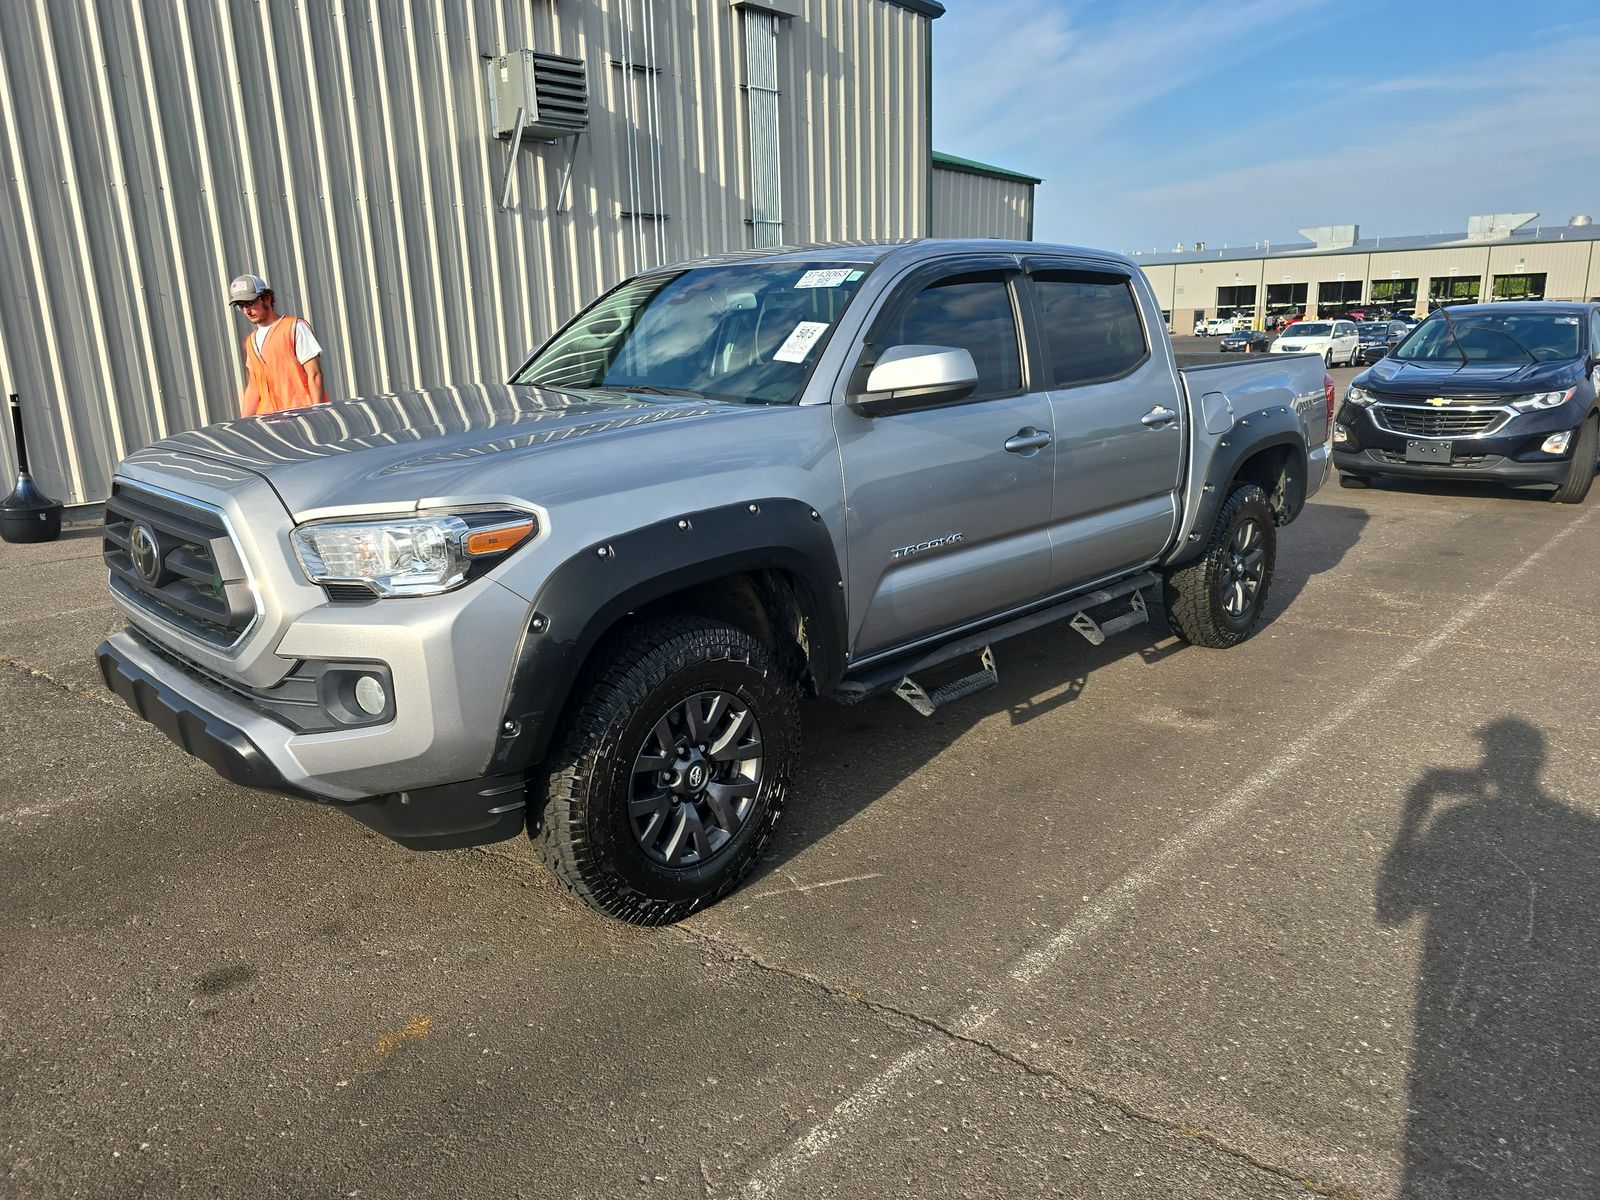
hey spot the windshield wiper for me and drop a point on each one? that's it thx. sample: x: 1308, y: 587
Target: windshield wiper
x: 650, y: 389
x: 1451, y: 326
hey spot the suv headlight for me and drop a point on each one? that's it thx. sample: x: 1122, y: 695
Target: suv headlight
x: 1359, y: 397
x: 1543, y: 400
x: 414, y: 556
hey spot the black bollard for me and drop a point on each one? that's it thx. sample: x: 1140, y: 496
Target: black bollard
x: 27, y: 514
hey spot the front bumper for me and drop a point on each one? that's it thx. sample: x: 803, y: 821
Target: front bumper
x: 1493, y: 468
x: 224, y: 733
x: 1510, y: 454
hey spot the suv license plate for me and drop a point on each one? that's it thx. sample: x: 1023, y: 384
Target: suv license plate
x: 1428, y: 452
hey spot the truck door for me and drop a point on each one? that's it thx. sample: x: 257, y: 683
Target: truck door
x: 1119, y: 422
x: 947, y: 508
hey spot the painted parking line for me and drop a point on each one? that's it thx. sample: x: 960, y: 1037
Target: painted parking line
x: 1118, y: 898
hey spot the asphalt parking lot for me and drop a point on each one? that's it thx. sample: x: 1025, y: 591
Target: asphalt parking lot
x: 1313, y: 916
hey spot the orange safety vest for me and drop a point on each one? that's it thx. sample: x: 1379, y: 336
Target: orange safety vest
x: 275, y: 369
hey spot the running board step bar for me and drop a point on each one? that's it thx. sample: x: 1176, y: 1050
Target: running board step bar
x: 928, y: 703
x: 1096, y: 633
x: 898, y: 673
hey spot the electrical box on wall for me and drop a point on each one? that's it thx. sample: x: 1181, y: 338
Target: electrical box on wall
x: 551, y: 91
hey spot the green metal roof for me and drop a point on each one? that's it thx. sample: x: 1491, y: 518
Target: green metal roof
x: 950, y: 162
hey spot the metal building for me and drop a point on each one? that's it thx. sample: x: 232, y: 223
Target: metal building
x: 1499, y: 257
x: 973, y: 199
x: 355, y: 154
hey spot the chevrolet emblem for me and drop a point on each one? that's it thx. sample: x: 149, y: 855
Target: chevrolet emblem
x: 1438, y: 401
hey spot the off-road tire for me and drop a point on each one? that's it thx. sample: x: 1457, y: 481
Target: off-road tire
x: 1196, y: 593
x: 1580, y: 476
x: 587, y: 837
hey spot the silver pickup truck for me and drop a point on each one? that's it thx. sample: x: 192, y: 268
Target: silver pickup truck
x: 586, y: 603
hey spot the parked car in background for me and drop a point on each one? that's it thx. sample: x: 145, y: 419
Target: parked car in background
x: 1219, y: 326
x: 1246, y: 341
x: 1504, y: 392
x: 1379, y: 337
x: 1283, y: 322
x: 1336, y: 341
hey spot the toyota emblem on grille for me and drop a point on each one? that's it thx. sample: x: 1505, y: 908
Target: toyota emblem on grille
x: 146, y: 554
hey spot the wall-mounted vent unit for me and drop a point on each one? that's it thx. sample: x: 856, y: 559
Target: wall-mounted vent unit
x: 551, y: 91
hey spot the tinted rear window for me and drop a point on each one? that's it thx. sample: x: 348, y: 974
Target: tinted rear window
x: 1091, y: 325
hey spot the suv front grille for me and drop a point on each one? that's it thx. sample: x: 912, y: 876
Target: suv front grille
x: 1438, y: 422
x: 173, y: 559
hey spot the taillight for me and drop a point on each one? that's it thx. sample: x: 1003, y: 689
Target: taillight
x: 1327, y: 391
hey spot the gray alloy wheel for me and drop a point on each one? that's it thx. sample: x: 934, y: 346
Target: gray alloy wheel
x: 695, y: 779
x: 1239, y: 580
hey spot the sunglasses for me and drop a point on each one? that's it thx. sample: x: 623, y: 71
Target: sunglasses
x: 248, y: 303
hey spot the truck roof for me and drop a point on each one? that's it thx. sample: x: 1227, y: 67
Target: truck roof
x: 910, y: 249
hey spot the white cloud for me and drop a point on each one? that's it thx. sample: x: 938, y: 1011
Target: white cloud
x: 1523, y: 143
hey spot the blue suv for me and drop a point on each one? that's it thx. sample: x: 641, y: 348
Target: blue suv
x: 1507, y: 392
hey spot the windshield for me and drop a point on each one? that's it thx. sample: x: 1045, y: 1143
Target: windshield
x: 1501, y: 338
x: 1308, y: 329
x: 1373, y: 329
x: 747, y: 331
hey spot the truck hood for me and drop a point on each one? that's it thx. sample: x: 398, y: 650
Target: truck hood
x: 409, y: 446
x: 1397, y: 378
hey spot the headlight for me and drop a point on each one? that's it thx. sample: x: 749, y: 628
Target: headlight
x: 1543, y: 400
x: 419, y: 556
x: 1359, y: 397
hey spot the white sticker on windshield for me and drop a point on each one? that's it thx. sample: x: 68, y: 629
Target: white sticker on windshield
x: 832, y: 277
x: 1566, y: 320
x: 798, y: 344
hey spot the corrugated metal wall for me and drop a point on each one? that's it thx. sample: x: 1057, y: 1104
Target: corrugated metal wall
x: 967, y: 205
x: 153, y: 149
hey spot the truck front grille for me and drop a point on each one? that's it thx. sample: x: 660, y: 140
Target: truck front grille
x: 1439, y: 422
x: 174, y: 560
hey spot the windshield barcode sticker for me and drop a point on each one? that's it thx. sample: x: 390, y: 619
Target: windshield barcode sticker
x: 798, y: 344
x: 832, y: 277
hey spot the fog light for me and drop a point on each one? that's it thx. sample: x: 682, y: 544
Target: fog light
x: 1556, y: 443
x: 1340, y: 435
x: 371, y: 696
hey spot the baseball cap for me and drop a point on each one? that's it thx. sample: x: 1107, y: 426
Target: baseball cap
x: 247, y: 287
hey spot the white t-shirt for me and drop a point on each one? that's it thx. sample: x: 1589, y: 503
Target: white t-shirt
x: 306, y: 346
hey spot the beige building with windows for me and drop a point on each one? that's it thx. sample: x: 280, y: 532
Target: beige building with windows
x: 1500, y: 257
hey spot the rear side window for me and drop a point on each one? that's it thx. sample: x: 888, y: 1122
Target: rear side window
x: 1091, y: 325
x: 972, y: 312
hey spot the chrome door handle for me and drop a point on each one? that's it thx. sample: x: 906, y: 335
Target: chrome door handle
x: 1158, y: 416
x: 1027, y: 438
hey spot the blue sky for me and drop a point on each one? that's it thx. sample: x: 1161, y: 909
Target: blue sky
x: 1154, y: 123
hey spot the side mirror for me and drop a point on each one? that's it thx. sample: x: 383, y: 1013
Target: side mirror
x: 906, y: 378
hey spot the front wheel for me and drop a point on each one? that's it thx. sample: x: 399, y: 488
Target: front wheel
x: 675, y: 759
x: 1327, y: 359
x: 1580, y: 475
x: 1218, y: 599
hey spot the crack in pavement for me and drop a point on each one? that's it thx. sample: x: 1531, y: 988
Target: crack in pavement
x: 33, y: 672
x: 955, y: 1034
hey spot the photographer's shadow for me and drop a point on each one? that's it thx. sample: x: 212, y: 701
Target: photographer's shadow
x: 1504, y: 1089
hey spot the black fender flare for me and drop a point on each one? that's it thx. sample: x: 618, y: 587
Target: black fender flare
x: 1274, y: 427
x: 594, y: 589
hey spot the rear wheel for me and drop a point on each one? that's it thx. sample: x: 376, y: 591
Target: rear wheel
x: 1580, y: 475
x: 673, y: 768
x: 1217, y: 600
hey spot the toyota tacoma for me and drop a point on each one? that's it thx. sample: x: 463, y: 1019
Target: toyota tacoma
x: 585, y: 604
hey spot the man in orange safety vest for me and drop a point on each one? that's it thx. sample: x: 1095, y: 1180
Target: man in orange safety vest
x: 282, y: 357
